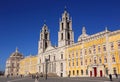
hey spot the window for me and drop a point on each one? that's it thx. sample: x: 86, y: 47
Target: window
x: 94, y: 49
x: 104, y: 47
x: 89, y: 50
x: 68, y: 36
x: 105, y: 59
x: 73, y: 54
x: 114, y: 70
x: 95, y: 60
x: 81, y: 61
x: 54, y: 58
x: 61, y: 36
x: 70, y: 72
x: 112, y: 46
x: 61, y: 56
x: 76, y: 54
x: 99, y: 49
x: 100, y: 60
x: 85, y: 52
x: 73, y: 72
x: 118, y: 44
x: 68, y: 25
x: 73, y: 63
x: 113, y: 58
x: 49, y: 57
x: 77, y: 72
x: 76, y: 62
x: 46, y: 36
x: 81, y: 52
x: 81, y: 72
x: 61, y: 66
x: 62, y: 26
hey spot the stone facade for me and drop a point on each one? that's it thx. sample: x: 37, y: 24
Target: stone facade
x: 12, y: 64
x: 56, y: 55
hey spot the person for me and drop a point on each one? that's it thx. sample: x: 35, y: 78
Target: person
x: 68, y: 75
x: 110, y: 76
x: 116, y: 75
x: 37, y: 77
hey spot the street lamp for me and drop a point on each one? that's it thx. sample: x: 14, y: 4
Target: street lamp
x: 46, y: 61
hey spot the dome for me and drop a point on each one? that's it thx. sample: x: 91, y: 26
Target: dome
x: 83, y: 35
x: 16, y: 54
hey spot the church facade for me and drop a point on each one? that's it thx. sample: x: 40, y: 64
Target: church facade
x: 56, y: 55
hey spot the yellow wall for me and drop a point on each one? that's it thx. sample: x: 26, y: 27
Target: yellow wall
x: 71, y: 50
x: 28, y: 65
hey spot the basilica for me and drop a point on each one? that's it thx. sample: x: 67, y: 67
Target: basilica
x: 94, y: 55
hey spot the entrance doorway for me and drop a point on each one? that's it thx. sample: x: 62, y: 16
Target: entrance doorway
x: 61, y: 74
x: 90, y: 73
x: 101, y: 74
x: 95, y: 71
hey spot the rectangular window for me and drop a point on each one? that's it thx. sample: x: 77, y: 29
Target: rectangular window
x: 54, y: 58
x: 76, y: 62
x: 104, y: 47
x: 99, y: 49
x: 77, y: 72
x: 61, y: 56
x: 112, y: 46
x: 94, y: 49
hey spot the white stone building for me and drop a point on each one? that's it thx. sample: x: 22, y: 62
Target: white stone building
x: 56, y: 55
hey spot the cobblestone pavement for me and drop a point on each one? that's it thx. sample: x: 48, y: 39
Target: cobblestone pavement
x: 58, y: 79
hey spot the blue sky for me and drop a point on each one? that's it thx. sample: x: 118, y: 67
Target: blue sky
x: 21, y: 21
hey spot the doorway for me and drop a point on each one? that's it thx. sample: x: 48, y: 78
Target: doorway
x: 61, y: 74
x: 95, y: 71
x: 101, y: 74
x: 90, y: 73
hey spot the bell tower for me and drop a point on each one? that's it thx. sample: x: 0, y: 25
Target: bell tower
x: 65, y: 34
x: 44, y: 39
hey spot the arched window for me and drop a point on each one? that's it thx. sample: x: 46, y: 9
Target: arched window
x: 81, y: 72
x: 77, y: 72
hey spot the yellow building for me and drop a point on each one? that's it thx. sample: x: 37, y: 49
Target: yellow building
x: 28, y: 65
x: 94, y: 55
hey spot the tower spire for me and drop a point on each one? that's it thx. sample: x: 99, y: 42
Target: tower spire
x: 16, y: 49
x: 83, y: 30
